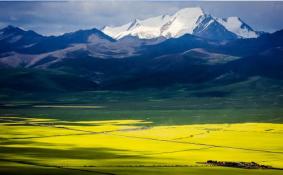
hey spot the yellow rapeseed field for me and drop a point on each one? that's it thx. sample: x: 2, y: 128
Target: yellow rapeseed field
x: 137, y: 143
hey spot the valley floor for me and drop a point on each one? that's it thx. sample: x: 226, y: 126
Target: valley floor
x: 40, y: 146
x: 171, y: 131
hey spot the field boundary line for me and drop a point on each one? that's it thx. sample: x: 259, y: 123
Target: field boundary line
x: 195, y: 143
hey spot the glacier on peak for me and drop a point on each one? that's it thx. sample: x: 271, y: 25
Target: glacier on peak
x: 185, y: 21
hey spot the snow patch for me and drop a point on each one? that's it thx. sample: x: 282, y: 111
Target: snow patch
x: 235, y: 25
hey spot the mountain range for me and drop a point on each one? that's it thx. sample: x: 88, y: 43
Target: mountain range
x: 185, y: 21
x: 188, y: 47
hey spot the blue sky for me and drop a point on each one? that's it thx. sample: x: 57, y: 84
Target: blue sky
x: 59, y: 17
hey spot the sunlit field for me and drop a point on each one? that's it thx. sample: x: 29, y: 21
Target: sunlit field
x: 37, y: 145
x: 169, y: 131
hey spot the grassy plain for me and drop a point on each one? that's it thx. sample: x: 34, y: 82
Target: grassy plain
x: 166, y: 131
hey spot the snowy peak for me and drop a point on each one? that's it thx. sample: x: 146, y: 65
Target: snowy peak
x: 236, y: 25
x: 178, y: 24
x: 134, y: 24
x: 184, y: 21
x: 115, y: 32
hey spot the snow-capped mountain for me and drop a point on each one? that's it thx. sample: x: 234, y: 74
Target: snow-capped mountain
x: 237, y: 26
x: 185, y: 21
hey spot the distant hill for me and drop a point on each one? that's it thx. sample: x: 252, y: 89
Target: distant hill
x: 28, y: 80
x: 90, y: 59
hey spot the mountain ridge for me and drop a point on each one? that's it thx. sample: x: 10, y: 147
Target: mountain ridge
x: 184, y: 21
x: 101, y: 62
